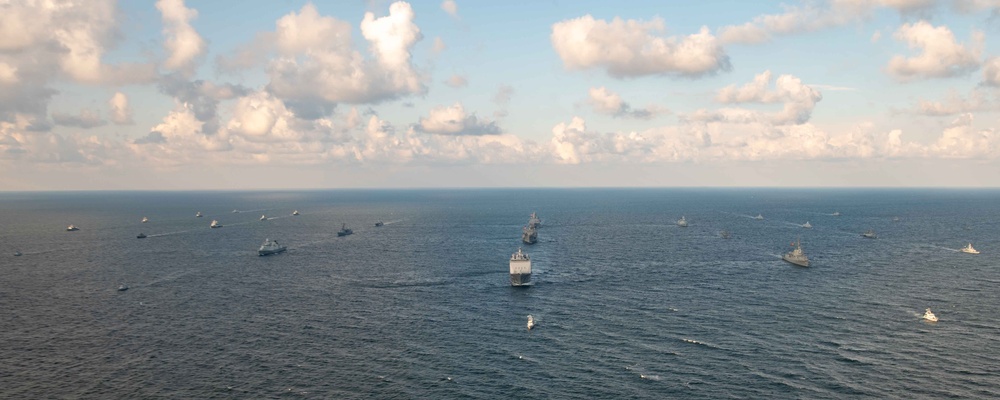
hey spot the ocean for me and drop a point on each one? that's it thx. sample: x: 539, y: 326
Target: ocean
x: 627, y: 304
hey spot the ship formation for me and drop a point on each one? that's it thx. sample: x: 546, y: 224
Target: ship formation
x: 529, y: 234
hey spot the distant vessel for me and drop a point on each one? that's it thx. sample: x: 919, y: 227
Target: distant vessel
x: 929, y: 316
x: 17, y: 253
x: 869, y: 234
x: 140, y: 236
x: 145, y: 220
x: 895, y: 219
x: 123, y: 287
x: 379, y: 223
x: 72, y: 228
x: 531, y: 322
x: 796, y: 256
x: 534, y: 222
x: 215, y: 224
x: 262, y: 217
x: 969, y: 249
x: 235, y: 211
x: 807, y: 225
x: 529, y: 235
x: 198, y: 214
x: 520, y: 268
x: 725, y: 234
x: 836, y: 214
x: 759, y: 217
x: 270, y: 247
x: 344, y: 230
x: 296, y: 212
x: 682, y: 222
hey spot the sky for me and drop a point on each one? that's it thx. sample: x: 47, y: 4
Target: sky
x: 221, y: 95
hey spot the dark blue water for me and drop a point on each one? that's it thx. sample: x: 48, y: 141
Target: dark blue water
x: 629, y: 305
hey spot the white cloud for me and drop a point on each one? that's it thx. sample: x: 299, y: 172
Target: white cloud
x: 318, y: 62
x: 439, y: 46
x: 954, y: 103
x: 184, y: 45
x: 814, y: 16
x: 940, y: 54
x: 454, y: 121
x: 604, y: 101
x: 629, y: 48
x: 972, y: 6
x: 86, y: 119
x: 450, y: 7
x: 798, y: 101
x: 962, y: 140
x: 876, y: 36
x: 121, y: 111
x: 991, y: 72
x: 457, y: 81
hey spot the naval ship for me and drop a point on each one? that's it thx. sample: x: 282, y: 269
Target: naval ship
x: 215, y: 224
x: 72, y: 228
x: 344, y: 230
x: 534, y: 222
x: 683, y: 223
x: 270, y: 247
x: 198, y: 215
x: 529, y: 235
x: 796, y: 256
x: 520, y: 268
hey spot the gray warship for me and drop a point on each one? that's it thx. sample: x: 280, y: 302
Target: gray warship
x: 796, y: 256
x: 529, y: 235
x: 534, y: 222
x: 344, y: 230
x: 270, y: 247
x: 520, y: 268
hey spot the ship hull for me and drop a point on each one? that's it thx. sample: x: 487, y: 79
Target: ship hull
x: 269, y: 252
x: 796, y: 262
x: 340, y: 234
x: 520, y: 279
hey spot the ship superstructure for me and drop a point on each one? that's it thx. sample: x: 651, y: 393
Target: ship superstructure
x: 520, y: 268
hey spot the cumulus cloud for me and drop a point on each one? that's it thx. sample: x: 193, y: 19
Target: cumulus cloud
x: 954, y: 103
x: 630, y: 48
x: 604, y: 101
x: 457, y: 81
x: 120, y: 110
x: 18, y: 141
x: 184, y: 45
x: 502, y: 100
x: 940, y: 55
x: 86, y: 119
x: 201, y: 97
x: 438, y: 46
x: 450, y: 7
x: 961, y: 140
x: 991, y: 72
x: 798, y: 101
x: 814, y: 16
x: 317, y: 62
x: 454, y: 121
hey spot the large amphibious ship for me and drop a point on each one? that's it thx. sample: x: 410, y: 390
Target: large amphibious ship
x: 270, y: 247
x: 529, y: 235
x: 520, y: 268
x: 534, y: 222
x: 796, y: 256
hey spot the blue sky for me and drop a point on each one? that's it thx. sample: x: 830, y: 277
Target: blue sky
x: 590, y: 93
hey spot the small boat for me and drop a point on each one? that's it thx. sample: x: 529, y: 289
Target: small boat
x: 869, y: 234
x: 198, y: 215
x: 296, y: 212
x: 140, y: 236
x: 215, y: 224
x: 17, y: 253
x: 968, y: 249
x: 725, y: 234
x: 235, y: 211
x: 270, y: 247
x: 836, y: 214
x: 929, y: 316
x: 145, y: 220
x: 796, y: 256
x: 759, y: 217
x: 72, y: 228
x: 895, y: 219
x: 379, y: 223
x: 262, y: 217
x: 682, y: 222
x: 531, y: 322
x: 123, y: 287
x: 344, y: 230
x: 807, y: 225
